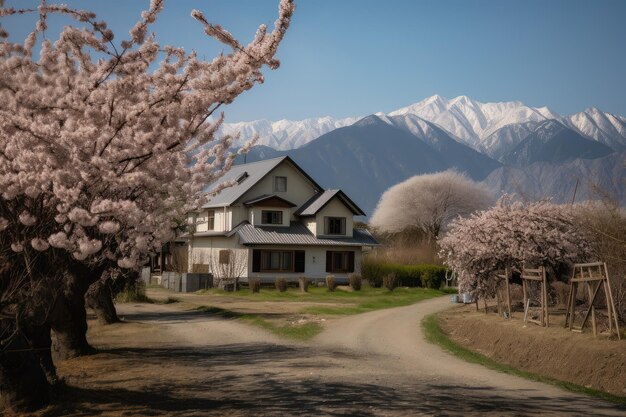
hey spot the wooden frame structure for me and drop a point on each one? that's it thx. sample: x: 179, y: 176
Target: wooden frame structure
x: 593, y: 276
x: 506, y: 276
x: 537, y: 275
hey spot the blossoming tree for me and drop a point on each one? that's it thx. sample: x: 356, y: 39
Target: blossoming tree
x: 511, y: 234
x: 429, y: 202
x: 104, y: 146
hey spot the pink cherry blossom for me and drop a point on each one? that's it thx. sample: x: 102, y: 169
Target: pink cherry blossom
x: 512, y: 235
x: 105, y: 145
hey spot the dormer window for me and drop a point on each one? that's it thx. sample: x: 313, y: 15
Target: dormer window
x: 280, y: 184
x: 271, y: 217
x: 334, y: 225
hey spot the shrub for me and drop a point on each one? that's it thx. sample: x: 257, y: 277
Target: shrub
x: 304, y: 284
x: 255, y: 285
x: 422, y: 275
x: 356, y: 281
x: 372, y: 271
x: 330, y: 282
x: 134, y: 292
x: 281, y: 284
x: 389, y: 281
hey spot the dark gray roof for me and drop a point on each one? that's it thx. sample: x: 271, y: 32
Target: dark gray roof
x: 318, y: 201
x: 255, y: 171
x: 297, y: 234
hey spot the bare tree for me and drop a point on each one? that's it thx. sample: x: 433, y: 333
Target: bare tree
x: 605, y: 223
x: 429, y: 202
x: 227, y: 265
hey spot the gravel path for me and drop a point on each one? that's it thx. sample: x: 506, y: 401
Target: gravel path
x: 371, y: 364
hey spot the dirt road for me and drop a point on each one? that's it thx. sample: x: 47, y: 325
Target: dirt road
x: 178, y: 363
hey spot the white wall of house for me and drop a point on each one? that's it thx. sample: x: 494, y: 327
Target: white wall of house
x: 311, y: 224
x: 334, y: 208
x: 205, y: 250
x: 299, y: 189
x: 239, y: 214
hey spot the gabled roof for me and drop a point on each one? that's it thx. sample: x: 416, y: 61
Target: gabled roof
x: 255, y: 171
x: 319, y: 201
x: 296, y: 234
x: 268, y: 198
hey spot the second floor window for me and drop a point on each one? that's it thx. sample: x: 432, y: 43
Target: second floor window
x: 334, y: 225
x: 271, y: 217
x: 280, y: 184
x: 210, y: 220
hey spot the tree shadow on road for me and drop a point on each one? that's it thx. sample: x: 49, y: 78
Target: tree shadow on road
x: 267, y: 379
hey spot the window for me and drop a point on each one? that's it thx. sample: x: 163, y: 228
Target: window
x: 334, y: 225
x: 277, y: 261
x: 280, y: 184
x: 210, y: 220
x: 271, y: 217
x: 339, y: 261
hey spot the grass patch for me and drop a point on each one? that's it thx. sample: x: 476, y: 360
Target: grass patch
x: 435, y: 335
x: 300, y: 332
x: 331, y: 303
x: 375, y: 299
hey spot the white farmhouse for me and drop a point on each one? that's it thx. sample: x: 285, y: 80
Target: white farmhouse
x: 276, y: 221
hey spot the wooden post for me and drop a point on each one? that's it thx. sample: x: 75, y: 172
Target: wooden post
x: 525, y: 298
x: 498, y: 302
x: 609, y: 296
x: 508, y: 292
x: 545, y: 295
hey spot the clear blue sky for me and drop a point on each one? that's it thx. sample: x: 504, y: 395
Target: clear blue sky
x: 356, y: 57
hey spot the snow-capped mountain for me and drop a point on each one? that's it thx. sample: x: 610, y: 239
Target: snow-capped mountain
x: 286, y: 134
x: 471, y: 121
x: 603, y: 127
x: 486, y: 127
x: 534, y: 152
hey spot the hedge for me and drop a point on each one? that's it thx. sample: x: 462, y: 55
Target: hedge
x: 422, y: 275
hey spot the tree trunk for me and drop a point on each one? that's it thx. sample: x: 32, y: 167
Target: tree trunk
x: 100, y: 299
x: 68, y: 319
x: 70, y: 329
x: 23, y: 383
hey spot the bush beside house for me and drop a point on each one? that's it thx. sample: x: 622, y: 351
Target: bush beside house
x: 423, y: 275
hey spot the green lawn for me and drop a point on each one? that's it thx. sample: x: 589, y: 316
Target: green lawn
x: 335, y: 303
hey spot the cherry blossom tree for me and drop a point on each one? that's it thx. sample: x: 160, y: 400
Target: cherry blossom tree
x: 104, y: 146
x: 512, y: 235
x: 428, y: 203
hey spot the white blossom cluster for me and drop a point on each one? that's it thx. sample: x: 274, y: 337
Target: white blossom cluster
x: 511, y: 235
x: 104, y: 145
x: 429, y: 202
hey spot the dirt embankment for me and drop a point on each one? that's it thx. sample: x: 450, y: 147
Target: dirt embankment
x: 596, y: 363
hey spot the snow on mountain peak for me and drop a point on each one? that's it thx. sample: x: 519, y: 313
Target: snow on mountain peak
x: 468, y: 121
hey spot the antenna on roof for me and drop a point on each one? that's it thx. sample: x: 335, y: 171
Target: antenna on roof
x: 245, y: 156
